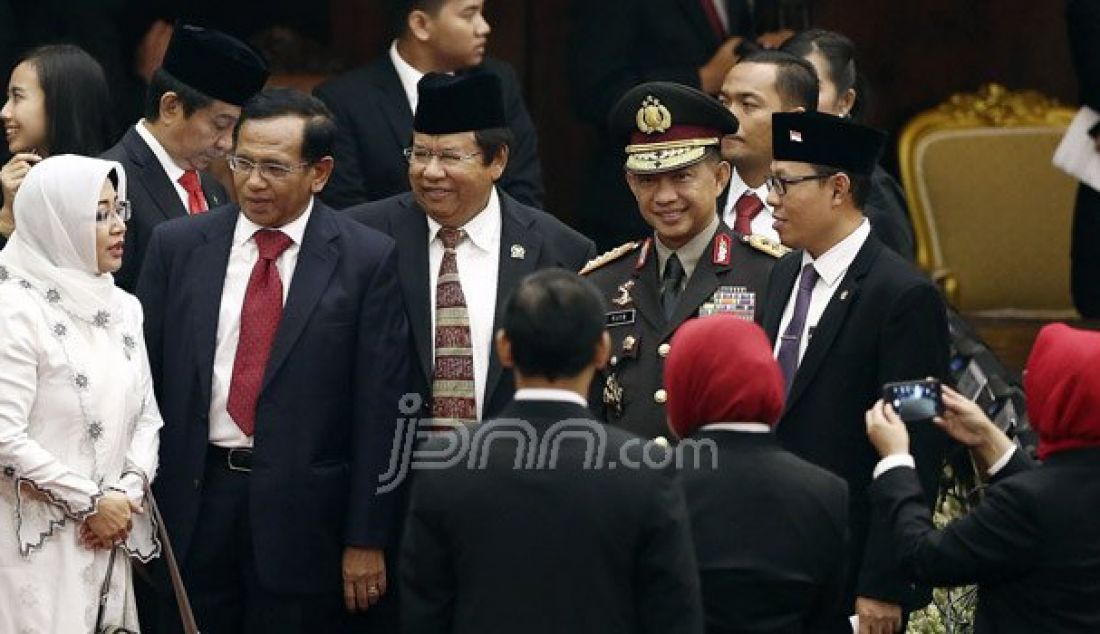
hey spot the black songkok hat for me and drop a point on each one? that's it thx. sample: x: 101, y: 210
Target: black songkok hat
x: 667, y: 126
x: 448, y: 104
x: 824, y: 139
x: 215, y: 64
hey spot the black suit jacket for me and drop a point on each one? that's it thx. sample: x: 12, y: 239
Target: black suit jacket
x: 886, y: 322
x: 375, y: 123
x: 489, y: 547
x: 153, y: 200
x: 327, y: 409
x: 889, y: 215
x: 770, y: 533
x: 1031, y: 545
x: 545, y: 242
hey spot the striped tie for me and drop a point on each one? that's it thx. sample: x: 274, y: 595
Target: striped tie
x: 453, y: 379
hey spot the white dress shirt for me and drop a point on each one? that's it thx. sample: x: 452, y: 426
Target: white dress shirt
x: 830, y: 267
x: 478, y: 259
x: 408, y: 75
x: 243, y: 254
x: 173, y: 171
x: 762, y: 223
x: 550, y: 394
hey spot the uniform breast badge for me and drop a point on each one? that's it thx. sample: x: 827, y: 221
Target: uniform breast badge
x: 613, y: 395
x: 733, y: 300
x: 624, y: 298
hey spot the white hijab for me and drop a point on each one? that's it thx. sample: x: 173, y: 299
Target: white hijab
x: 54, y: 243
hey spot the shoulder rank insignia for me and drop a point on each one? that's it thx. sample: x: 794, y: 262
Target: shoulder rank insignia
x: 767, y: 245
x: 610, y: 256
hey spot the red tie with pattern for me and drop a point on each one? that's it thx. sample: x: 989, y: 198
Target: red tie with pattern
x: 453, y: 378
x: 196, y: 200
x: 260, y: 314
x: 747, y: 207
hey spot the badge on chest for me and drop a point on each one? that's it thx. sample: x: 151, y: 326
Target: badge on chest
x: 738, y: 301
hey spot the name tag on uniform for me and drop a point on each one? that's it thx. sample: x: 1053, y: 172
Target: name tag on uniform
x: 733, y: 300
x: 620, y: 317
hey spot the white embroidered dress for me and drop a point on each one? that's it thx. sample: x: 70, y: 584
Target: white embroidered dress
x: 77, y: 411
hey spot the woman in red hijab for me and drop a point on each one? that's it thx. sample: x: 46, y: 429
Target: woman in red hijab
x: 770, y: 529
x: 1033, y: 544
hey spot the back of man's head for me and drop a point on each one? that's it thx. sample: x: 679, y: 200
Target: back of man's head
x: 795, y: 79
x: 554, y: 321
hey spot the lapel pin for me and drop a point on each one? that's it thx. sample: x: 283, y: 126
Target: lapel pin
x: 843, y: 295
x: 518, y: 252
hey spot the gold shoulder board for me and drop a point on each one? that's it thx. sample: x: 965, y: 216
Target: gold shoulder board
x: 767, y: 245
x: 610, y: 256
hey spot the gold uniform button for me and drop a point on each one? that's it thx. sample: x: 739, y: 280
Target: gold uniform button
x: 660, y: 396
x: 614, y: 361
x: 663, y: 350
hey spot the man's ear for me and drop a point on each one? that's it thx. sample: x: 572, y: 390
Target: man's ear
x: 603, y: 351
x: 504, y: 349
x: 419, y: 24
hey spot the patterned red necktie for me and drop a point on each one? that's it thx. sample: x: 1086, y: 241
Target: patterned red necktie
x: 453, y: 378
x: 196, y: 200
x: 747, y: 207
x: 260, y: 314
x: 715, y: 21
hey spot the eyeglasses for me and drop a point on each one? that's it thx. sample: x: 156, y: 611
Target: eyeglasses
x: 779, y: 184
x: 121, y: 212
x: 268, y: 171
x: 422, y: 156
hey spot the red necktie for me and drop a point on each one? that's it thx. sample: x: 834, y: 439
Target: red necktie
x: 453, y: 378
x: 715, y: 21
x: 196, y: 200
x: 260, y: 314
x: 747, y: 207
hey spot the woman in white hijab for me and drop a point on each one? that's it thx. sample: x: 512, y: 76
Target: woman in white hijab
x: 78, y: 420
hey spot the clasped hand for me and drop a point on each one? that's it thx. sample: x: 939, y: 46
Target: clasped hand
x: 111, y: 523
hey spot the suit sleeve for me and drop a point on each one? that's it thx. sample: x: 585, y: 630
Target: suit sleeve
x: 1018, y: 463
x: 382, y: 377
x: 830, y: 611
x: 345, y: 188
x: 427, y: 585
x: 669, y: 597
x: 150, y: 291
x: 914, y: 344
x: 522, y: 177
x: 887, y: 213
x: 996, y: 541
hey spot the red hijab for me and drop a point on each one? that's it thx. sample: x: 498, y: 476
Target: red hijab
x: 1062, y: 383
x: 721, y: 370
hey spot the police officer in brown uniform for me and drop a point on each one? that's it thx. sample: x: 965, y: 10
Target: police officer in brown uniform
x: 693, y: 265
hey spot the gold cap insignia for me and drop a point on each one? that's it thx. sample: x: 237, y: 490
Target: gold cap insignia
x: 653, y: 117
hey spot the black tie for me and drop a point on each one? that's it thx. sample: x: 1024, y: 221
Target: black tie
x: 670, y: 284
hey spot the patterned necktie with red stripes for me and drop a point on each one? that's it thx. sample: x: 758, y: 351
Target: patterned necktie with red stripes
x: 453, y: 400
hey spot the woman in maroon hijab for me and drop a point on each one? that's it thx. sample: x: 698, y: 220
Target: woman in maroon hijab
x: 1033, y: 544
x: 770, y: 529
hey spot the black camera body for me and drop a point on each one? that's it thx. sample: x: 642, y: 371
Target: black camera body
x: 915, y: 400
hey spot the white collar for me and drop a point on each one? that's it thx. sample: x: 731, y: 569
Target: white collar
x: 408, y: 75
x: 294, y: 229
x: 752, y: 428
x: 549, y: 394
x: 738, y: 186
x: 483, y: 229
x: 171, y: 168
x: 832, y: 264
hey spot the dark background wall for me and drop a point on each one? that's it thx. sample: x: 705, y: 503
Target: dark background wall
x: 913, y: 54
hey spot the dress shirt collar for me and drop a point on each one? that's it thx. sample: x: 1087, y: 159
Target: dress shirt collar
x: 171, y: 168
x: 295, y: 229
x: 483, y: 230
x: 738, y: 187
x: 832, y: 264
x: 690, y: 253
x: 549, y: 394
x: 752, y: 428
x: 408, y: 75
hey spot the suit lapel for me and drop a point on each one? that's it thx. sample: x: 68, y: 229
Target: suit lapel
x: 152, y: 177
x: 516, y: 230
x: 317, y: 258
x: 207, y: 274
x: 832, y: 319
x: 646, y: 292
x: 212, y: 190
x: 785, y: 272
x: 410, y: 231
x: 395, y: 104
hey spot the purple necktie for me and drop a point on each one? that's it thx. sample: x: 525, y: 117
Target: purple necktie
x: 791, y: 340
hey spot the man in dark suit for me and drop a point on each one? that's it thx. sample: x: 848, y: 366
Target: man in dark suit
x: 691, y: 264
x: 278, y: 343
x: 565, y: 544
x: 1083, y: 20
x: 847, y: 315
x: 460, y: 148
x: 374, y: 105
x: 770, y: 529
x: 192, y: 104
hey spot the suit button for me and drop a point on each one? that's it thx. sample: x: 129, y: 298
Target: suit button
x: 660, y: 396
x: 663, y: 349
x: 614, y: 361
x: 198, y: 484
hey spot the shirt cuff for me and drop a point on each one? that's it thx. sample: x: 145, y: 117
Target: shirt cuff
x: 1001, y: 462
x: 891, y: 461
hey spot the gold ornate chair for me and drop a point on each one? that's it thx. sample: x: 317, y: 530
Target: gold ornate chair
x: 991, y: 213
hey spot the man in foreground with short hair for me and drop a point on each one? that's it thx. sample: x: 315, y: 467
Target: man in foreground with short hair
x: 562, y: 543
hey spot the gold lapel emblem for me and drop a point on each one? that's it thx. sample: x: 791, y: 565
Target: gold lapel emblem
x: 653, y: 117
x: 518, y: 252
